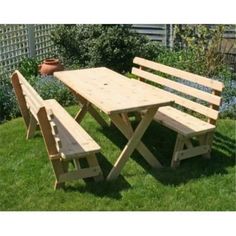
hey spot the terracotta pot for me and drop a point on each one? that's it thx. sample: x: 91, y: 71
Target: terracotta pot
x: 49, y: 66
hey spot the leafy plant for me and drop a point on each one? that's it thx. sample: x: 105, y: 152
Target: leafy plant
x: 8, y: 105
x: 113, y: 46
x: 29, y: 66
x: 205, y: 42
x: 50, y: 88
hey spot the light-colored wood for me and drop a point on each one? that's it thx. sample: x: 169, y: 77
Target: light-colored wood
x: 179, y: 145
x: 20, y: 98
x: 132, y: 143
x: 116, y: 95
x: 187, y: 126
x: 92, y: 162
x: 195, y: 151
x: 80, y: 115
x: 141, y: 148
x: 216, y: 85
x: 83, y: 102
x: 64, y: 138
x: 182, y: 122
x: 184, y: 102
x: 81, y: 174
x: 211, y: 98
x: 75, y: 141
x: 32, y: 127
x: 110, y: 91
x: 214, y: 106
x: 46, y: 131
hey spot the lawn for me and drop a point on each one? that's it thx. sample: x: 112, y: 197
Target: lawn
x: 26, y: 177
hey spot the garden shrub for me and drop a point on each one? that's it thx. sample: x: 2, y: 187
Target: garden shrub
x: 8, y: 105
x: 29, y: 67
x: 112, y: 46
x: 50, y: 88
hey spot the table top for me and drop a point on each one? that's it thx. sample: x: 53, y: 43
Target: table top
x: 110, y: 91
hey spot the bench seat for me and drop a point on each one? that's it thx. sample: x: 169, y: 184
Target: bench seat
x: 73, y: 140
x: 182, y: 122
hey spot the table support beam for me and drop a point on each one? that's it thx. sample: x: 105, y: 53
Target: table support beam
x: 134, y: 142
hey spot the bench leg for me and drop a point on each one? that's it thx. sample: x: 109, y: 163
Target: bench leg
x: 31, y: 127
x: 206, y: 139
x: 92, y: 162
x: 179, y: 145
x: 59, y: 169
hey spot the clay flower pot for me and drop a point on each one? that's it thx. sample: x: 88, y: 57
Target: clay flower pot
x: 49, y: 66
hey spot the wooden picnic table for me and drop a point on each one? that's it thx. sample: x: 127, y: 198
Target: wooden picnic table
x: 116, y: 95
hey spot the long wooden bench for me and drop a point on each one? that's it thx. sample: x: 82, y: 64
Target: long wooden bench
x: 66, y: 141
x: 191, y: 92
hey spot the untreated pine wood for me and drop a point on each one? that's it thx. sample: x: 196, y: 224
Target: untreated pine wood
x: 20, y: 98
x: 187, y: 126
x: 132, y: 143
x: 216, y: 85
x: 63, y: 136
x: 211, y: 98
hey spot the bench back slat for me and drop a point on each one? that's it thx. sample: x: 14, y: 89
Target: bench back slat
x: 199, y: 108
x: 210, y: 83
x: 213, y: 99
x: 31, y: 103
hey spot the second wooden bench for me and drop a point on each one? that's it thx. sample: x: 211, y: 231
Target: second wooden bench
x: 191, y: 92
x: 66, y: 141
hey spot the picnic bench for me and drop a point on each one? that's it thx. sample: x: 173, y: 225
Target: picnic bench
x: 66, y: 141
x: 198, y: 94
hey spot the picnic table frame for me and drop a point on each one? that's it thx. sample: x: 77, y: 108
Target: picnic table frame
x: 83, y: 83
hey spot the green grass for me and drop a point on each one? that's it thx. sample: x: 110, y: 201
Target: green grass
x: 26, y: 177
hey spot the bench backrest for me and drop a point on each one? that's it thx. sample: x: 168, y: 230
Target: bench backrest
x: 31, y: 104
x: 211, y: 95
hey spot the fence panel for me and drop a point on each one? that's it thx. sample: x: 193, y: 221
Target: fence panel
x: 20, y: 41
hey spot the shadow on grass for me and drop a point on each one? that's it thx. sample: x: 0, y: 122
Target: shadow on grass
x: 104, y: 188
x: 161, y: 141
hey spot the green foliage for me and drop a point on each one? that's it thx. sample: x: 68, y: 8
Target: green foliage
x: 8, y: 105
x: 205, y: 42
x: 50, y: 88
x: 113, y: 46
x: 29, y: 66
x: 47, y: 87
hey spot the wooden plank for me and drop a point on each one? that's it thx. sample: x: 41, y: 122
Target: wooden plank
x: 80, y: 115
x: 132, y: 144
x: 141, y: 148
x: 46, y: 131
x: 80, y: 174
x: 179, y: 145
x: 206, y: 111
x: 20, y: 98
x: 92, y: 161
x: 182, y: 122
x: 216, y: 85
x: 110, y: 91
x: 214, y: 106
x: 196, y: 151
x: 75, y: 142
x: 32, y: 127
x: 213, y: 99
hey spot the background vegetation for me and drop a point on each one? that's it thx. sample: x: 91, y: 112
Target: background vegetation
x: 197, y: 49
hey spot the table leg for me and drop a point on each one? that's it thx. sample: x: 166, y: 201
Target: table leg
x: 133, y: 143
x: 86, y: 106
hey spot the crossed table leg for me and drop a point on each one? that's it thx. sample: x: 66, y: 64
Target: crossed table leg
x: 121, y: 121
x: 134, y: 141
